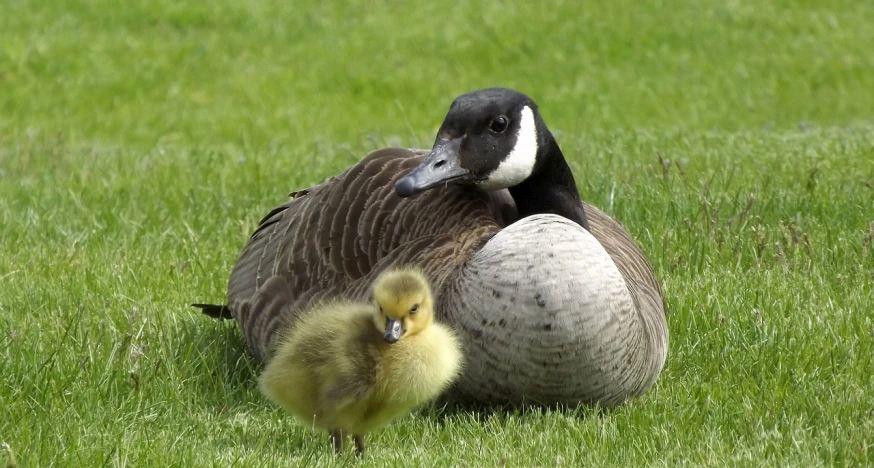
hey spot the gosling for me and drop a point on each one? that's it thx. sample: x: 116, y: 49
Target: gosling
x: 352, y: 367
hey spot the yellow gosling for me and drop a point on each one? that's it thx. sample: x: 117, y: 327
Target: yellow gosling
x: 352, y: 367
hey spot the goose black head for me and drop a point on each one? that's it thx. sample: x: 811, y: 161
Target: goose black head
x: 492, y: 138
x: 495, y: 139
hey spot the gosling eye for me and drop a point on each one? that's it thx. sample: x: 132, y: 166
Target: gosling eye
x: 499, y: 124
x: 414, y: 309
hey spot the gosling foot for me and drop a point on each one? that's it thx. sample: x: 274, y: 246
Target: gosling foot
x: 337, y: 441
x: 359, y: 445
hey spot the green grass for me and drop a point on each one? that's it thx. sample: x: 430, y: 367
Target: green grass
x: 140, y: 143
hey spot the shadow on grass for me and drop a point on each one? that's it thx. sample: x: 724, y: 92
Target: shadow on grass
x: 218, y: 358
x: 446, y: 408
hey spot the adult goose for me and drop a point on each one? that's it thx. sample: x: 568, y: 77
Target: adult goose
x: 552, y: 300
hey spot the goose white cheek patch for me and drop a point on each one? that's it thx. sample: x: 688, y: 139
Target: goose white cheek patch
x: 519, y: 164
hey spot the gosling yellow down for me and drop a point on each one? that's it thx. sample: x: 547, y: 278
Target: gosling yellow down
x: 351, y: 367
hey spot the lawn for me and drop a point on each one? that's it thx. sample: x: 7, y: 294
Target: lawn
x: 141, y: 142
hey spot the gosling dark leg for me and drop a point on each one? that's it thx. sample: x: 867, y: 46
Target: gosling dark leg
x: 337, y: 441
x: 359, y: 445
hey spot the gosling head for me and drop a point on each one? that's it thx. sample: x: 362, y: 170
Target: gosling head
x: 404, y: 304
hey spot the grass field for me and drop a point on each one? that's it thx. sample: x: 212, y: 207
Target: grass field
x: 141, y: 141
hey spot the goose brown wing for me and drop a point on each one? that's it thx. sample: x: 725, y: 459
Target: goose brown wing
x: 334, y: 238
x: 628, y: 257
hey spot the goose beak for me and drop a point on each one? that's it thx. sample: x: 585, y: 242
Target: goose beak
x: 393, y: 330
x: 442, y: 165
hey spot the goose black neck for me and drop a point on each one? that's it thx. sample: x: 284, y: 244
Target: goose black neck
x: 551, y: 188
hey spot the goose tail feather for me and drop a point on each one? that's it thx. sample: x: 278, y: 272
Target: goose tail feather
x: 215, y: 311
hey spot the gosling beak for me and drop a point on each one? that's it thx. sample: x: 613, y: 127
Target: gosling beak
x: 393, y: 330
x: 442, y: 165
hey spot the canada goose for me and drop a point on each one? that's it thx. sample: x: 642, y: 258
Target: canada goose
x: 552, y: 299
x: 351, y: 367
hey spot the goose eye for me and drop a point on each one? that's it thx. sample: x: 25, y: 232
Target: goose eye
x: 498, y: 125
x: 414, y: 309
